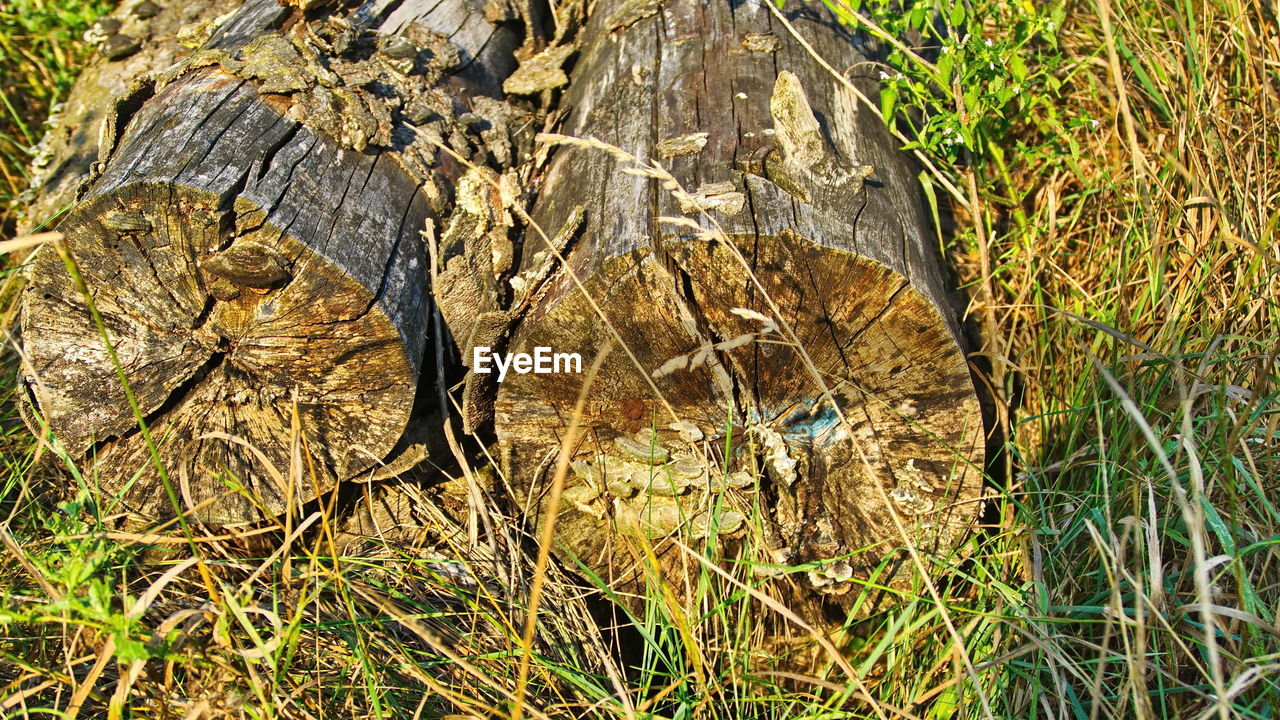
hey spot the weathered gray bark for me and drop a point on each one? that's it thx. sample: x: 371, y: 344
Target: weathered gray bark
x: 808, y: 187
x: 255, y: 240
x: 254, y: 236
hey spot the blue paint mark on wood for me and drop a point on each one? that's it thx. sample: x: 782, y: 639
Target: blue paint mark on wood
x: 807, y: 421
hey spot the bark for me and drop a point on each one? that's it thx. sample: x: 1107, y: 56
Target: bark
x: 254, y: 244
x: 808, y: 187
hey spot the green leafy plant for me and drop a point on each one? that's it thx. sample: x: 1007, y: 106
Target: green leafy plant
x: 960, y: 86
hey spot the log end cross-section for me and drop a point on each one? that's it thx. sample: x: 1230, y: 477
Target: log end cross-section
x: 242, y: 265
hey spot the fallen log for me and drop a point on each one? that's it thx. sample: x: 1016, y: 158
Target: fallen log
x: 795, y: 327
x: 253, y: 243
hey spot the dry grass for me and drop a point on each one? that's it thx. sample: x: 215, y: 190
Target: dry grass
x: 1135, y: 300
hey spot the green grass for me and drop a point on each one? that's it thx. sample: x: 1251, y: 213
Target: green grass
x: 1118, y: 241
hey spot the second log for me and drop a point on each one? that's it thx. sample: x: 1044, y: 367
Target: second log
x: 797, y: 331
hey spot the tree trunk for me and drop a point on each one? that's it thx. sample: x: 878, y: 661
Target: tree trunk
x: 255, y: 242
x: 808, y: 216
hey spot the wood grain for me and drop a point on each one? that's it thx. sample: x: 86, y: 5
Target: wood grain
x: 70, y: 146
x: 810, y: 190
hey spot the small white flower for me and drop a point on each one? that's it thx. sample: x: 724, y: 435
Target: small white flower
x: 884, y: 75
x: 1095, y: 124
x: 987, y: 41
x: 1017, y: 89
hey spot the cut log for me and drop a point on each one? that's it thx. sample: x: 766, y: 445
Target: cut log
x: 806, y: 218
x: 254, y: 244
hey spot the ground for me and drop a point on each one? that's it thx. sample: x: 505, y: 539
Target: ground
x: 1104, y: 176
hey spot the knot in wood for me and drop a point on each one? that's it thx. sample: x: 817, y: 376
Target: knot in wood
x: 127, y: 221
x: 248, y: 264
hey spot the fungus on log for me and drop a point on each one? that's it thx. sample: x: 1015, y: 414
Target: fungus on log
x: 806, y: 217
x: 254, y: 241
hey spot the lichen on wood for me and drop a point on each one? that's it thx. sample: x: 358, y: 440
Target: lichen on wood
x: 222, y: 317
x: 107, y: 88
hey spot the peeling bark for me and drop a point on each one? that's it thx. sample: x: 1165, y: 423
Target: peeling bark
x: 70, y: 147
x: 253, y: 238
